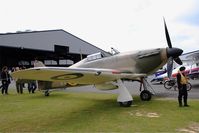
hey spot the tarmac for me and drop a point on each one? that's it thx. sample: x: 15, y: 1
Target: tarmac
x: 134, y: 88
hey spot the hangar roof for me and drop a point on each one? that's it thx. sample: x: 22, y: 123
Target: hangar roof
x: 46, y: 40
x: 191, y: 56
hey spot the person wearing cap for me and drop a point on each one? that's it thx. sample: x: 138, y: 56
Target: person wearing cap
x: 182, y: 86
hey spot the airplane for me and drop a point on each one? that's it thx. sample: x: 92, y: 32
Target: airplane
x: 192, y: 69
x: 158, y: 76
x: 107, y: 72
x: 194, y: 58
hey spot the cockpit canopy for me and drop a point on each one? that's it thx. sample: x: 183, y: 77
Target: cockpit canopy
x: 95, y: 56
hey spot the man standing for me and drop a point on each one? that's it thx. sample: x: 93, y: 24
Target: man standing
x: 5, y: 80
x: 182, y: 87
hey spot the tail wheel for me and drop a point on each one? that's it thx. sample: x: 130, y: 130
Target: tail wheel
x: 145, y: 95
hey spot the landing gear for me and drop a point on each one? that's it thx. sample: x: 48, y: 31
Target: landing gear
x: 145, y: 95
x: 124, y: 99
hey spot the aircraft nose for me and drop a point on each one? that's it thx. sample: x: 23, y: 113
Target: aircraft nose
x: 174, y: 52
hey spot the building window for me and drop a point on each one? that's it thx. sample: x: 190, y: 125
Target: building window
x: 23, y: 63
x: 66, y: 62
x: 62, y: 62
x: 70, y: 62
x: 50, y: 62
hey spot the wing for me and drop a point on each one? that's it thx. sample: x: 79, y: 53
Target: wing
x: 73, y: 75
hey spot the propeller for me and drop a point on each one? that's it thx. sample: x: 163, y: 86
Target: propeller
x: 172, y: 53
x: 178, y: 60
x: 169, y: 67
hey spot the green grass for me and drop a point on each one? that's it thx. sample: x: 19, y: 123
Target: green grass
x: 91, y: 112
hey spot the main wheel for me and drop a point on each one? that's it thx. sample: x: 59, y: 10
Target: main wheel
x: 168, y: 85
x: 145, y: 95
x: 125, y: 104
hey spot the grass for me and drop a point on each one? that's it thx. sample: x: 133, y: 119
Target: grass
x: 92, y: 112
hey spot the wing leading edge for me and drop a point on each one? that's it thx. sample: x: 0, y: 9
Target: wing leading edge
x: 74, y: 75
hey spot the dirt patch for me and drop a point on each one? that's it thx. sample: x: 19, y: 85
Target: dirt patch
x: 152, y: 115
x: 138, y: 114
x: 192, y: 128
x: 186, y: 130
x: 144, y: 114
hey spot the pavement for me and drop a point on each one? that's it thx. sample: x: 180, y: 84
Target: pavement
x: 133, y: 88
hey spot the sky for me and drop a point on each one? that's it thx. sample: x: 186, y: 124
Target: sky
x: 126, y: 25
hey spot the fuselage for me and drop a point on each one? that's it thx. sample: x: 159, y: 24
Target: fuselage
x: 145, y: 61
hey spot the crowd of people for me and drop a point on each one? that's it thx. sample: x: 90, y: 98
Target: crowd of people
x: 20, y: 83
x: 5, y: 79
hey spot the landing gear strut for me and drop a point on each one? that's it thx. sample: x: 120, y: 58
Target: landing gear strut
x: 145, y: 95
x: 124, y: 99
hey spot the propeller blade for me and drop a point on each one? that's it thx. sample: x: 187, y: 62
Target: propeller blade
x: 169, y: 67
x: 178, y: 60
x: 172, y: 53
x: 167, y: 35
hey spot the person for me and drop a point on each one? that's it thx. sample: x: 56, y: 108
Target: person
x: 5, y: 80
x: 182, y: 87
x: 32, y: 86
x: 19, y: 83
x: 19, y: 86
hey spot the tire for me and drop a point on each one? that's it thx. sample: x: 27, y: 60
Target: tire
x: 167, y: 85
x: 189, y: 86
x: 145, y: 95
x: 125, y: 104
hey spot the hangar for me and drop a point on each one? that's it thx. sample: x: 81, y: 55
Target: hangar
x: 53, y: 47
